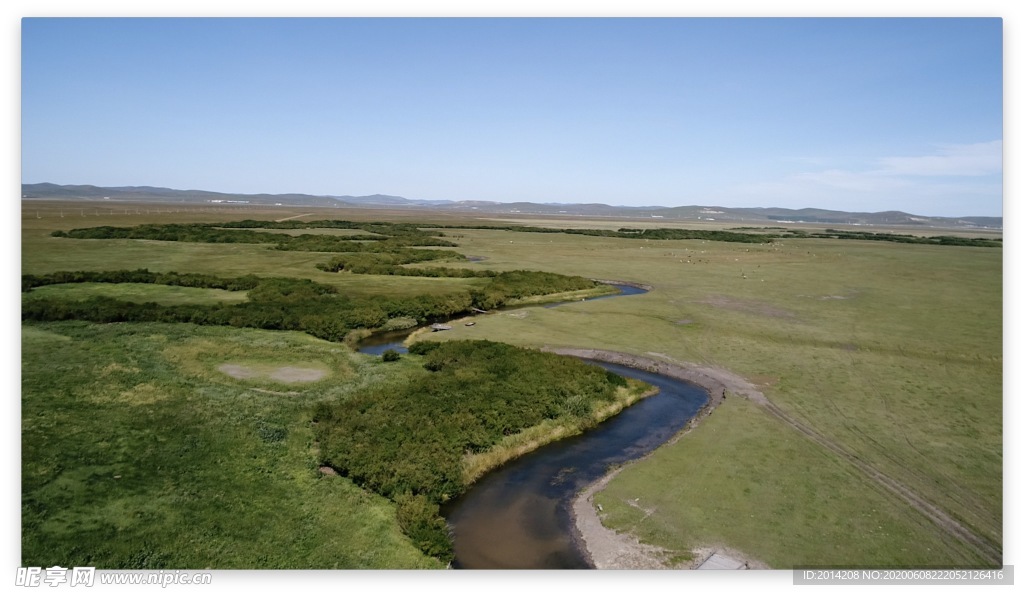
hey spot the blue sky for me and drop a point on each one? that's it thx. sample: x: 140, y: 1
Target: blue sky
x: 849, y: 114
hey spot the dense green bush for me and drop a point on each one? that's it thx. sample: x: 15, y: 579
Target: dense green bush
x: 647, y: 234
x: 280, y: 303
x: 410, y: 440
x: 577, y: 406
x: 145, y: 276
x: 386, y: 238
x: 421, y: 520
x: 472, y: 394
x: 368, y: 265
x: 389, y: 263
x: 511, y: 285
x: 393, y: 237
x: 750, y: 238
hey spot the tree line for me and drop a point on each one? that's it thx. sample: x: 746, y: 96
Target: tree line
x: 282, y: 303
x: 625, y: 232
x: 905, y: 238
x: 396, y: 237
x: 229, y: 233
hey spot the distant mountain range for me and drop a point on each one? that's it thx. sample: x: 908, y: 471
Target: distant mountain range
x: 758, y: 216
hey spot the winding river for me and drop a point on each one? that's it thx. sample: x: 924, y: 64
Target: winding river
x: 519, y: 515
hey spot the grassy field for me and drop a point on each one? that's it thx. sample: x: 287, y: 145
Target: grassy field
x: 894, y: 352
x: 45, y: 254
x: 138, y: 452
x: 751, y: 484
x: 138, y: 292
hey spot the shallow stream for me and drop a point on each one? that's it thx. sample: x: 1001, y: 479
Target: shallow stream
x: 519, y: 515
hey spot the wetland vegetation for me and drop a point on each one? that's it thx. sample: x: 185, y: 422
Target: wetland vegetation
x: 140, y: 451
x: 411, y: 443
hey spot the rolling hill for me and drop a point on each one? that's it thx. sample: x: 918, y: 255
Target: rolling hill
x: 744, y: 216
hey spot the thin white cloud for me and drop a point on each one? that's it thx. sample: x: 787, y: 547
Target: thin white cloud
x: 978, y: 159
x: 956, y: 180
x: 850, y: 180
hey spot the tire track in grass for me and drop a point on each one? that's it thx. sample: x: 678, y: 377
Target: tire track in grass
x: 717, y: 379
x: 292, y: 217
x: 953, y: 490
x: 981, y: 545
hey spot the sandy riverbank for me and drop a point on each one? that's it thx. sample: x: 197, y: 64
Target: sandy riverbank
x: 608, y: 549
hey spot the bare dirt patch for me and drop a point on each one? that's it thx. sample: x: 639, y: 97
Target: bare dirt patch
x: 285, y: 374
x: 289, y: 374
x: 755, y: 307
x: 724, y: 558
x: 609, y: 549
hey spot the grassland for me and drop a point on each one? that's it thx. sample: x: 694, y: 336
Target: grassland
x: 773, y: 499
x: 892, y: 351
x: 138, y: 292
x: 139, y: 453
x: 43, y: 254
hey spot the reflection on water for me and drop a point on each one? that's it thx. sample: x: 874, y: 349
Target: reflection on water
x: 378, y: 343
x: 624, y: 290
x: 518, y: 516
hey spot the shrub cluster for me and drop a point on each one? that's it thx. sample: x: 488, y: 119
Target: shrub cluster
x: 234, y: 233
x: 274, y: 304
x: 420, y: 519
x: 145, y: 276
x: 390, y: 264
x: 392, y: 237
x: 735, y: 235
x: 646, y: 234
x: 408, y: 443
x: 512, y: 285
x: 905, y: 238
x: 280, y: 303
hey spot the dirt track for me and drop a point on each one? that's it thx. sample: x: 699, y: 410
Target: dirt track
x: 603, y: 543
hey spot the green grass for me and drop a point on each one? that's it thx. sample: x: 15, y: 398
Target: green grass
x: 892, y: 351
x: 44, y: 254
x: 793, y: 505
x: 565, y: 296
x: 137, y: 292
x: 474, y: 406
x: 138, y: 453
